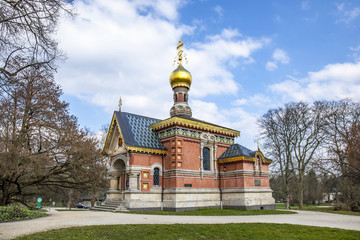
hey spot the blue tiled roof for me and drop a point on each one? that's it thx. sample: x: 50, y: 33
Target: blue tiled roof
x: 236, y: 150
x: 136, y: 130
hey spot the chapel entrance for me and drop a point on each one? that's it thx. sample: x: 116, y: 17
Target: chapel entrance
x: 118, y: 179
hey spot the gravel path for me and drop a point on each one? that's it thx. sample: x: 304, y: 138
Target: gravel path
x: 64, y: 219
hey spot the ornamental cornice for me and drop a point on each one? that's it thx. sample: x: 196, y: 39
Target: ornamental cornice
x: 243, y: 158
x: 196, y: 135
x: 147, y: 150
x: 194, y: 124
x: 237, y: 173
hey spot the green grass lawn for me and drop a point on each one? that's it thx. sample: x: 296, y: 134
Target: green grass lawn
x: 318, y: 208
x: 197, y: 231
x: 215, y: 212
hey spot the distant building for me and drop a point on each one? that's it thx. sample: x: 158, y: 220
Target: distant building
x: 182, y: 163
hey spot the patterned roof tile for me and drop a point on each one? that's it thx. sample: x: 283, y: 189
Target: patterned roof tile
x: 137, y: 132
x: 237, y: 150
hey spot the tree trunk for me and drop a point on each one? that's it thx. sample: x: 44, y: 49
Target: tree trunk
x: 5, y: 196
x: 301, y: 191
x: 4, y: 200
x: 93, y: 198
x: 71, y: 192
x: 287, y: 197
x: 347, y: 193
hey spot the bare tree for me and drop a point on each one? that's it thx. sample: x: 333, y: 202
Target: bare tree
x: 293, y: 135
x: 277, y: 131
x: 309, y: 134
x: 342, y: 121
x: 26, y: 34
x: 41, y: 145
x: 40, y: 142
x: 353, y: 151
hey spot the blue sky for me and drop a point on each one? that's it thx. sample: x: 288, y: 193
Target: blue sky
x: 245, y: 57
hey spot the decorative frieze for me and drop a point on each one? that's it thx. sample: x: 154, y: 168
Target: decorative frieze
x: 192, y: 134
x: 187, y: 172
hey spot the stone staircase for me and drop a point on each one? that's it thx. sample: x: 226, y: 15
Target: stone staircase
x: 110, y: 206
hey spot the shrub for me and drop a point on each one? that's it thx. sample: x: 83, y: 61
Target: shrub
x: 11, y: 213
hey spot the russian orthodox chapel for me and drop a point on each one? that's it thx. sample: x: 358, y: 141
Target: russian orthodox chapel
x: 182, y: 163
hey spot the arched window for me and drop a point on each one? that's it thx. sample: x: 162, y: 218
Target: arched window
x: 258, y: 163
x: 180, y: 97
x: 185, y: 97
x: 206, y: 158
x: 156, y: 176
x: 175, y: 97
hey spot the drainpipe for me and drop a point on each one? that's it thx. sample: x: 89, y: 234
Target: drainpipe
x: 162, y: 183
x: 219, y: 169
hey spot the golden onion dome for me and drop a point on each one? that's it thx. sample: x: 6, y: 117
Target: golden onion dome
x: 180, y: 77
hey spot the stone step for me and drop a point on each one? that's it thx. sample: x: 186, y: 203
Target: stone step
x: 106, y: 206
x: 110, y: 206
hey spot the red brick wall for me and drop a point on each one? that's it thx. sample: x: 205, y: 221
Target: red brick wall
x: 184, y: 154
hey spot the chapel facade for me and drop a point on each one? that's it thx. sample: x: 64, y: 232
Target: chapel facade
x: 183, y: 163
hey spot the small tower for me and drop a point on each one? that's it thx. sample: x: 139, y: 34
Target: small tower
x: 180, y: 80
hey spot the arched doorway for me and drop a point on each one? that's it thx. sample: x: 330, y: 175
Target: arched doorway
x: 117, y: 176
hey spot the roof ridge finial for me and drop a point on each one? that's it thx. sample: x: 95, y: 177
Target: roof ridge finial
x: 258, y: 145
x: 120, y: 104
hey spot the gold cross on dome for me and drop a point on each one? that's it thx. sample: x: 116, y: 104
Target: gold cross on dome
x: 180, y: 51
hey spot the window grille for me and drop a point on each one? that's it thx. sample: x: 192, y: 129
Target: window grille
x: 206, y: 158
x: 156, y: 176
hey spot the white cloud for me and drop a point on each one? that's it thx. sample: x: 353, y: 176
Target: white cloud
x: 207, y: 111
x: 113, y: 50
x: 210, y: 61
x: 235, y: 118
x: 345, y: 13
x: 219, y: 10
x: 255, y: 100
x: 356, y: 53
x: 334, y: 81
x: 246, y: 123
x: 163, y: 8
x: 239, y: 102
x: 271, y: 66
x: 126, y: 48
x: 279, y: 56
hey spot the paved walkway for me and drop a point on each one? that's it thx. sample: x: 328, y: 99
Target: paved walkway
x: 85, y: 218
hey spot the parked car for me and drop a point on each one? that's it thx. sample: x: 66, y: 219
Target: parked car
x: 80, y: 205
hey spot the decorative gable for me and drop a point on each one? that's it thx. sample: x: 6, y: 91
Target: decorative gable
x: 134, y: 133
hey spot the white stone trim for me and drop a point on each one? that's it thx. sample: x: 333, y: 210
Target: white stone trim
x: 188, y: 172
x: 156, y: 165
x: 243, y: 173
x: 208, y: 140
